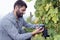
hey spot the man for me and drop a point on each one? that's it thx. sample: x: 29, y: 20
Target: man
x: 11, y: 24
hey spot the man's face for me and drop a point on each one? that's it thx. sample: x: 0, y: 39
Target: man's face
x: 20, y: 11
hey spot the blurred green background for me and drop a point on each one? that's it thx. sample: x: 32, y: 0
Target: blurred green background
x: 47, y: 12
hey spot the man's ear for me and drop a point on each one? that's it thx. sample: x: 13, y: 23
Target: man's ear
x: 16, y: 7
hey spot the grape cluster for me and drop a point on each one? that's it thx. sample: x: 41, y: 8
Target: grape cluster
x: 45, y: 32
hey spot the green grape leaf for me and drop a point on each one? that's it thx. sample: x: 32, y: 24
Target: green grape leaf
x: 57, y: 37
x: 28, y: 0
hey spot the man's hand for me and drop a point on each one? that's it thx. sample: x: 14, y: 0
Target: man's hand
x: 38, y: 30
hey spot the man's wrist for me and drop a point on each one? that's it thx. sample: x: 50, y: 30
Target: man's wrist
x: 33, y: 33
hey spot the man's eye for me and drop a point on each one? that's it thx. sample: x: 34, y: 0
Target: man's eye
x: 23, y: 10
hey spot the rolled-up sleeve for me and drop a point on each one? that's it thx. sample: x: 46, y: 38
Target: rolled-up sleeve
x: 13, y: 32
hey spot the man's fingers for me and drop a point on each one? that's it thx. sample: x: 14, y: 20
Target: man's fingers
x: 42, y: 30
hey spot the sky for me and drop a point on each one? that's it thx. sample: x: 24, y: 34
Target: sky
x: 6, y: 6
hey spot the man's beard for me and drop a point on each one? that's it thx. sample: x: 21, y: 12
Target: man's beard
x: 19, y: 15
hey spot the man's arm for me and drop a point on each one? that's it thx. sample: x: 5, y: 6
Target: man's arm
x: 13, y: 32
x: 29, y: 25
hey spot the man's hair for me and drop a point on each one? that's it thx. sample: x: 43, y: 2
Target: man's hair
x: 20, y: 3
